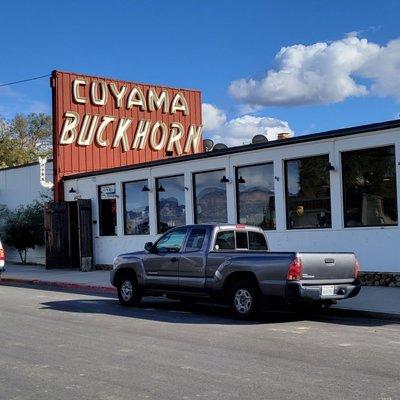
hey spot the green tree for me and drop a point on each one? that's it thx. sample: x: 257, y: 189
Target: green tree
x: 24, y: 139
x: 24, y: 228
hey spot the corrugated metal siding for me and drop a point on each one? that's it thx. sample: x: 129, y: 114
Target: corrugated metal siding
x: 73, y: 159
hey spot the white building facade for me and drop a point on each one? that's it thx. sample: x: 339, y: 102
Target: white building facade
x: 332, y: 191
x: 20, y: 186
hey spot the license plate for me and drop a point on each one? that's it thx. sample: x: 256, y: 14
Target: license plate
x: 328, y: 290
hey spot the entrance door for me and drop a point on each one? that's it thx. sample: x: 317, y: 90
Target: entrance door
x: 85, y: 234
x: 68, y: 234
x: 56, y: 235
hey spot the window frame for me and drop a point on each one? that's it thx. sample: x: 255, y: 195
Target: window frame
x: 156, y: 179
x: 124, y: 206
x: 99, y: 199
x: 286, y: 192
x: 237, y: 194
x: 194, y: 191
x: 343, y: 193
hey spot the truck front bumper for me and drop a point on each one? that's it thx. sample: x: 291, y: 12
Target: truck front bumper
x: 308, y: 292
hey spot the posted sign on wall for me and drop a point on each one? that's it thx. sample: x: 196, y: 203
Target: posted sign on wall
x: 102, y: 123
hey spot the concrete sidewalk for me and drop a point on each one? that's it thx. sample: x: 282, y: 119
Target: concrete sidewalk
x: 64, y: 278
x: 373, y: 301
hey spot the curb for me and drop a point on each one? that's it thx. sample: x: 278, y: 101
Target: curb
x: 347, y: 312
x: 58, y: 284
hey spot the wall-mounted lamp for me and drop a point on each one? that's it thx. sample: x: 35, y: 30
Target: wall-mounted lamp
x: 241, y: 179
x: 161, y: 188
x: 186, y: 188
x: 72, y: 190
x: 276, y: 178
x: 330, y: 167
x: 145, y: 189
x: 224, y: 179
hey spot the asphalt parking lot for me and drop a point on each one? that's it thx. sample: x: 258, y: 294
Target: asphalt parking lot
x: 61, y: 345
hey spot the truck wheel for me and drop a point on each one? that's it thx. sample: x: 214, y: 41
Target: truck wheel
x: 243, y: 299
x: 129, y: 291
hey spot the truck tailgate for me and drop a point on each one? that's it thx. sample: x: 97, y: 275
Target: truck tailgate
x: 327, y: 266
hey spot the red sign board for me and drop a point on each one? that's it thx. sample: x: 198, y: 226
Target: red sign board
x: 102, y: 123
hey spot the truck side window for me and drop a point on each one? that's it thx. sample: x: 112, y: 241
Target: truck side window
x: 241, y: 241
x: 195, y: 240
x: 171, y: 242
x: 257, y: 241
x: 225, y: 240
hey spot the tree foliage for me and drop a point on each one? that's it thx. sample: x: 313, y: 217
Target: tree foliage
x: 24, y: 139
x: 23, y: 228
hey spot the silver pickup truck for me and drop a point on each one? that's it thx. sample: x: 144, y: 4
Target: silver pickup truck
x: 233, y: 264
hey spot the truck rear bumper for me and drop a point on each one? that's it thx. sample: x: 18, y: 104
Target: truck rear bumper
x: 306, y: 292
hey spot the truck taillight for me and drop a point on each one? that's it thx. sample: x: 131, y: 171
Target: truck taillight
x: 2, y: 254
x: 295, y: 270
x: 356, y: 268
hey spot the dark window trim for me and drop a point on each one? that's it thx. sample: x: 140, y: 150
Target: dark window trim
x: 344, y: 191
x: 156, y: 179
x: 237, y: 205
x: 124, y: 206
x: 194, y: 188
x: 99, y: 207
x: 286, y: 193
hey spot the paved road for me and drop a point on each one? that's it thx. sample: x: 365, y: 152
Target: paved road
x: 58, y: 345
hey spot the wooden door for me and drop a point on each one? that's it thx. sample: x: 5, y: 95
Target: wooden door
x: 56, y: 235
x: 85, y: 227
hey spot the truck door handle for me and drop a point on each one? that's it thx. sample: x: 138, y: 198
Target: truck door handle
x: 174, y: 259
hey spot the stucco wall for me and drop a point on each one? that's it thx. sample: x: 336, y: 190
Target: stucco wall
x: 375, y: 247
x: 21, y: 186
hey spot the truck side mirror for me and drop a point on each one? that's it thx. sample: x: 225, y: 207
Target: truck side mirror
x: 149, y: 246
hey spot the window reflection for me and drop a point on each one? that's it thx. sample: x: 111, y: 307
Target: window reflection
x: 369, y: 186
x: 256, y: 195
x: 136, y: 208
x: 209, y: 197
x: 308, y: 200
x: 170, y: 202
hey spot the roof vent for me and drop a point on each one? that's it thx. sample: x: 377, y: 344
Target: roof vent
x: 259, y: 139
x: 283, y: 135
x: 220, y: 146
x: 208, y: 144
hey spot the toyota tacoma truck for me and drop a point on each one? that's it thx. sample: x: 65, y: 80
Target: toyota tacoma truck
x: 232, y: 264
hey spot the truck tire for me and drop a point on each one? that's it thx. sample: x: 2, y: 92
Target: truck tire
x: 128, y: 291
x: 243, y: 300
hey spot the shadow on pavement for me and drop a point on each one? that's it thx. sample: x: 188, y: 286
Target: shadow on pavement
x: 165, y: 310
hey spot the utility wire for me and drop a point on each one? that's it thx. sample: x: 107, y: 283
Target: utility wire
x: 25, y: 80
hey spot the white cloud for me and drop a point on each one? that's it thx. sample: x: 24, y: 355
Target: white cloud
x: 213, y: 117
x: 324, y: 73
x: 241, y: 130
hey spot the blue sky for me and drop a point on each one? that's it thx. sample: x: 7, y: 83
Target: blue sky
x: 207, y: 45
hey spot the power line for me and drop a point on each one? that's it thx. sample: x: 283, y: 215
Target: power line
x: 24, y: 80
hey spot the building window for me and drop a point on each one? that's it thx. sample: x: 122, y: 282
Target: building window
x: 107, y: 210
x: 170, y: 202
x: 369, y: 187
x: 308, y: 199
x: 209, y: 197
x: 256, y: 195
x: 136, y: 208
